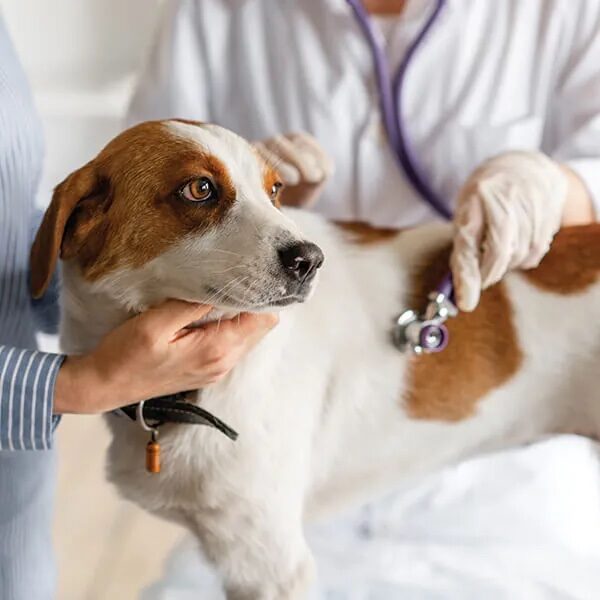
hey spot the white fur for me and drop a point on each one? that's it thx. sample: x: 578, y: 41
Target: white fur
x: 317, y: 403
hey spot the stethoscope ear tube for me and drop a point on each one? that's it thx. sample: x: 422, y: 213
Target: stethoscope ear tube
x: 420, y: 333
x: 390, y: 100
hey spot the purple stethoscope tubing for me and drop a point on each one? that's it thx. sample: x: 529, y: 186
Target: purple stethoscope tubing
x: 390, y: 98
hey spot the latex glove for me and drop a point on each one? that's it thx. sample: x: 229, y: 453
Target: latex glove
x: 507, y: 215
x: 302, y: 164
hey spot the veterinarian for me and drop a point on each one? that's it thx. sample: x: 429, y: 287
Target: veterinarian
x: 451, y: 84
x: 472, y: 80
x: 136, y: 361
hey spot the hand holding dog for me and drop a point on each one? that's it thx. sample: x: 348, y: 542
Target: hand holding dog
x: 152, y: 354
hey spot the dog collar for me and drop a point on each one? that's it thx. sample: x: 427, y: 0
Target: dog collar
x: 174, y: 409
x: 156, y: 412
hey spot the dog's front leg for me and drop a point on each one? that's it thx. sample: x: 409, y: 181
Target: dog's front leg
x: 294, y: 585
x: 260, y: 555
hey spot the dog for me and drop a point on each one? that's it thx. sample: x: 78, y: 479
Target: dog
x: 329, y: 412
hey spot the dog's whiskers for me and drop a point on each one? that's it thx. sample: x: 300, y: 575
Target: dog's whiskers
x: 243, y: 302
x: 226, y: 270
x: 222, y: 292
x: 227, y: 252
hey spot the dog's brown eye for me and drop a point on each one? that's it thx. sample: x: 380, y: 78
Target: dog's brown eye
x: 275, y: 189
x: 198, y: 190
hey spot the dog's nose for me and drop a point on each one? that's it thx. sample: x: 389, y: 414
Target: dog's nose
x: 302, y: 260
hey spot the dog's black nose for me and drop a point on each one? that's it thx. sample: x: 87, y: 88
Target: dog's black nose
x: 302, y: 260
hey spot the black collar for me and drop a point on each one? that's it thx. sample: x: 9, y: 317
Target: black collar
x: 174, y: 409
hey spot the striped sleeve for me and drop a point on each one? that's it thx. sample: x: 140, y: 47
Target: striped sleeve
x: 27, y: 379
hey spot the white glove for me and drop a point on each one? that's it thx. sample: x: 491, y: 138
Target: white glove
x: 302, y: 164
x: 507, y: 215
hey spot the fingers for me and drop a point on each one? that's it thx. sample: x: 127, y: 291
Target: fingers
x: 255, y: 326
x: 464, y: 261
x: 231, y: 338
x: 498, y: 246
x: 535, y: 256
x: 311, y: 146
x: 224, y: 343
x: 302, y: 164
x: 290, y: 175
x: 243, y: 327
x: 171, y: 316
x: 298, y: 156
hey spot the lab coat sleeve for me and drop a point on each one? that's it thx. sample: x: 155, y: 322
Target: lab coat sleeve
x: 174, y: 82
x: 576, y: 107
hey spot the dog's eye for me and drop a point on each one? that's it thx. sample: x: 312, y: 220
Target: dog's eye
x: 275, y: 189
x: 199, y: 190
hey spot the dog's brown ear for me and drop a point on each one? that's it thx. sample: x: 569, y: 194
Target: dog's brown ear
x: 51, y: 242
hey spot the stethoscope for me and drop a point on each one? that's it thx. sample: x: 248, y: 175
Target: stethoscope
x: 420, y: 332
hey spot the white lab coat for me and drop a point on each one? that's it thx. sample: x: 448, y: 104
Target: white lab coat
x: 491, y: 76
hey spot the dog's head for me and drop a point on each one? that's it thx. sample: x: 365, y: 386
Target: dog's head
x: 182, y: 210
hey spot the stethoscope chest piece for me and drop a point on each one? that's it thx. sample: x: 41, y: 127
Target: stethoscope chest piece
x: 425, y: 333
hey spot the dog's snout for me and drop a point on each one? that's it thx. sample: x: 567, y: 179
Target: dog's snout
x: 302, y: 260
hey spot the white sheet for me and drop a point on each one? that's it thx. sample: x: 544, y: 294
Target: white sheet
x: 520, y: 524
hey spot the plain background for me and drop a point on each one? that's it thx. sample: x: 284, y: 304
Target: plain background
x: 82, y: 57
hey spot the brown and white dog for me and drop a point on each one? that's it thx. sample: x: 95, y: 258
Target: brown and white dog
x: 328, y: 411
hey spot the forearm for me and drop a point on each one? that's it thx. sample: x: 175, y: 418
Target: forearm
x: 81, y: 388
x: 27, y: 382
x: 579, y: 206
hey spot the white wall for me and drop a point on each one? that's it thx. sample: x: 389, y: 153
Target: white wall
x: 66, y: 42
x: 81, y: 57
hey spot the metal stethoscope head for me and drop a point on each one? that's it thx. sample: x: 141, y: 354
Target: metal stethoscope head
x: 425, y: 333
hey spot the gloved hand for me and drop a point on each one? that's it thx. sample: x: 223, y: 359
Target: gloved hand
x: 302, y: 164
x: 507, y: 215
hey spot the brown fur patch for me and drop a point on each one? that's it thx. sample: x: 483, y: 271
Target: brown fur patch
x: 573, y: 263
x: 483, y: 352
x: 364, y: 234
x: 79, y: 186
x: 271, y: 178
x: 123, y: 208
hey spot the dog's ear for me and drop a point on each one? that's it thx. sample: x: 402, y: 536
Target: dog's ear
x: 76, y: 210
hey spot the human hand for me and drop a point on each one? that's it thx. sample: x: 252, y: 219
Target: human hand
x: 507, y: 215
x: 153, y: 354
x: 302, y: 164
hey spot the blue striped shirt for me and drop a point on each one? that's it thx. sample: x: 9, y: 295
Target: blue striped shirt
x: 27, y: 376
x: 27, y: 479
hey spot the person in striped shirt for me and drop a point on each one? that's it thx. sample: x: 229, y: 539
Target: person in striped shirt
x: 138, y: 360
